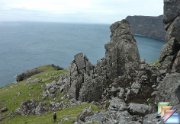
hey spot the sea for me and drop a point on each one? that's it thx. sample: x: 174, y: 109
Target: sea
x: 26, y: 45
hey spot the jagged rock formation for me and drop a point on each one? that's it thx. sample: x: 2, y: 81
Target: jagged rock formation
x: 119, y: 78
x: 87, y: 82
x: 148, y: 26
x: 169, y: 58
x: 169, y: 88
x: 131, y: 87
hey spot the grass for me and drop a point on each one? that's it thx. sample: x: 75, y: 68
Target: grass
x: 70, y: 113
x: 13, y: 95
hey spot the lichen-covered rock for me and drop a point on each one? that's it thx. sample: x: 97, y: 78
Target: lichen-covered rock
x: 31, y: 107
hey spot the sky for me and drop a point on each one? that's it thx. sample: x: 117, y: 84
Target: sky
x: 77, y: 11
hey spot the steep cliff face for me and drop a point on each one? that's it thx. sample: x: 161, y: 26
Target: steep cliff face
x: 148, y: 26
x: 169, y: 88
x: 170, y: 53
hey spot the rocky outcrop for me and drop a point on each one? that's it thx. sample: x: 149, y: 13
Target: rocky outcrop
x: 148, y: 26
x: 85, y: 113
x: 169, y: 58
x: 87, y: 82
x: 169, y: 89
x: 31, y: 107
x: 119, y: 79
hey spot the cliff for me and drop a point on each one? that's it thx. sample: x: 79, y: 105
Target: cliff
x: 148, y: 26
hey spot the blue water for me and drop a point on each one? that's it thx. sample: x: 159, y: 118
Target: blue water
x: 27, y: 45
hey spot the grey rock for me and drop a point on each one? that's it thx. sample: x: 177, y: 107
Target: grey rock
x: 122, y: 53
x: 169, y: 89
x: 91, y: 89
x: 80, y: 61
x: 31, y: 107
x: 40, y: 109
x: 174, y: 29
x: 87, y: 82
x: 121, y: 93
x: 120, y: 117
x: 171, y: 10
x: 139, y: 109
x: 152, y: 119
x: 96, y: 117
x: 170, y: 50
x: 176, y: 64
x: 85, y: 113
x: 4, y: 109
x: 54, y: 106
x: 117, y: 104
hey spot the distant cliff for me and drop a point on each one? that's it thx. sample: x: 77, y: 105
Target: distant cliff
x: 149, y: 26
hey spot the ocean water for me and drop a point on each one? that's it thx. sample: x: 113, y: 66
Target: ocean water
x: 25, y: 45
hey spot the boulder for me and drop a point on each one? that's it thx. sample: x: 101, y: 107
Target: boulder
x: 117, y: 104
x: 152, y: 119
x: 139, y: 109
x: 31, y: 107
x: 85, y: 113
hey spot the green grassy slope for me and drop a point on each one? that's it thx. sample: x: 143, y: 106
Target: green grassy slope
x: 13, y: 95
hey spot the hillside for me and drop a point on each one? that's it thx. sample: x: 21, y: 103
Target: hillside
x: 14, y: 95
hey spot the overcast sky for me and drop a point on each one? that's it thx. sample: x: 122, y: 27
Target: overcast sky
x: 86, y: 11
